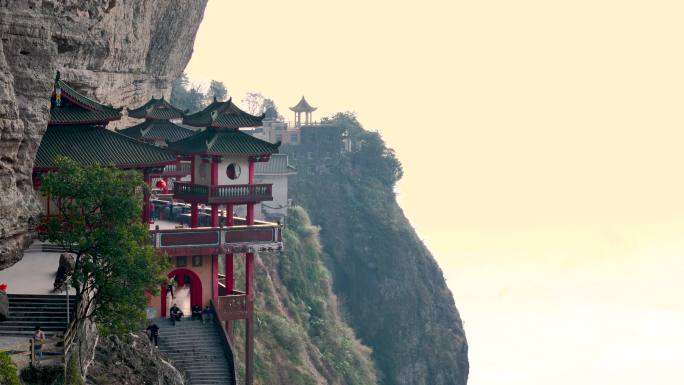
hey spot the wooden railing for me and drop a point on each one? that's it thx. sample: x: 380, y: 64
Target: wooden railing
x: 233, y: 193
x: 233, y: 306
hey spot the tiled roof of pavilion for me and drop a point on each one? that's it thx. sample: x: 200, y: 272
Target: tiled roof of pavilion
x: 303, y: 106
x: 91, y: 144
x: 156, y: 109
x: 214, y: 141
x: 157, y: 130
x: 277, y: 165
x: 69, y: 107
x: 223, y: 115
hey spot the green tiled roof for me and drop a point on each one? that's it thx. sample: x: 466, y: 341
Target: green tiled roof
x: 91, y: 144
x: 223, y: 115
x: 214, y: 141
x: 276, y: 165
x: 156, y: 109
x: 158, y: 130
x: 303, y: 106
x: 74, y: 108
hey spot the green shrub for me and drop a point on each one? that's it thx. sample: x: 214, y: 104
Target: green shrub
x: 43, y: 375
x: 8, y: 372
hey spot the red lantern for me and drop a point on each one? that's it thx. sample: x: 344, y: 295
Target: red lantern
x: 161, y: 184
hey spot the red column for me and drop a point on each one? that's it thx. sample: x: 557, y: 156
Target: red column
x: 214, y: 278
x: 229, y: 215
x: 250, y: 206
x: 230, y: 277
x: 194, y: 215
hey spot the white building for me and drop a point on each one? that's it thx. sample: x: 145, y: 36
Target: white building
x: 276, y: 171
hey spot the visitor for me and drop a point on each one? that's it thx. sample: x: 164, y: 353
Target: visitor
x: 38, y: 341
x: 170, y: 285
x: 153, y: 331
x: 176, y: 314
x: 207, y: 314
x: 196, y: 312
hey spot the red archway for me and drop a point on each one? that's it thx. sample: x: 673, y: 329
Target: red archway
x: 195, y: 287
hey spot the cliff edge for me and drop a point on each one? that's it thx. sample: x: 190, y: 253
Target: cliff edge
x: 119, y: 51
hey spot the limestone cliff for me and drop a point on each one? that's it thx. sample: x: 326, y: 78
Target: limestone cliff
x: 390, y: 287
x: 118, y: 51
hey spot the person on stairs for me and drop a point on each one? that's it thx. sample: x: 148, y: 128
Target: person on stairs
x: 153, y: 332
x: 207, y: 314
x: 196, y: 312
x: 38, y: 341
x: 176, y: 314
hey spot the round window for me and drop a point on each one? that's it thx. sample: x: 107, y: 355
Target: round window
x: 233, y: 171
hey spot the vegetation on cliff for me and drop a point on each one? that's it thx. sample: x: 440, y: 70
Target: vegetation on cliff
x: 300, y: 335
x: 390, y: 287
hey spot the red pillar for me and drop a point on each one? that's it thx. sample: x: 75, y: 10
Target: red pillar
x: 230, y: 276
x: 194, y: 215
x: 215, y: 215
x: 230, y: 286
x: 214, y: 278
x: 250, y: 206
x: 229, y: 215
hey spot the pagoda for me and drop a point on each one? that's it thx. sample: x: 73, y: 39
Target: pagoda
x: 77, y: 129
x: 306, y: 108
x: 157, y: 127
x: 222, y: 162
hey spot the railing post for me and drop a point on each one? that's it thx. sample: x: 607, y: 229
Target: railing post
x: 33, y: 352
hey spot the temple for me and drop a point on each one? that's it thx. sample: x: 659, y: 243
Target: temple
x: 157, y: 128
x: 193, y: 222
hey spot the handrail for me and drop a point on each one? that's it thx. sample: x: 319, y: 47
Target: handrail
x: 229, y: 192
x: 227, y: 346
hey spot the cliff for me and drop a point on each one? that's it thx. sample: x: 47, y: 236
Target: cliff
x: 301, y: 337
x: 118, y: 51
x: 389, y: 285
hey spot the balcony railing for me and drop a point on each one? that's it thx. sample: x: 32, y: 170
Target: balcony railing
x: 264, y: 236
x: 178, y: 169
x: 223, y: 194
x: 233, y: 306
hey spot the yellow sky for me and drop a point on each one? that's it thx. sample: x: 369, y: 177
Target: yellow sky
x: 551, y: 131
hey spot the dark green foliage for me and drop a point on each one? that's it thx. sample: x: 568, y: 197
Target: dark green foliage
x: 217, y: 90
x: 99, y: 222
x: 43, y: 375
x: 389, y: 284
x: 8, y: 372
x: 297, y: 320
x: 186, y: 96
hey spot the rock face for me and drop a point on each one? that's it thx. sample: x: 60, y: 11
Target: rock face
x: 388, y: 283
x: 118, y: 51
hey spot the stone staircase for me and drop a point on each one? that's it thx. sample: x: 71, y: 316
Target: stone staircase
x: 198, y: 350
x: 30, y: 310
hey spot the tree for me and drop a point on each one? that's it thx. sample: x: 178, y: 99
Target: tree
x: 269, y: 108
x: 218, y: 90
x: 186, y: 96
x: 254, y: 102
x: 99, y: 223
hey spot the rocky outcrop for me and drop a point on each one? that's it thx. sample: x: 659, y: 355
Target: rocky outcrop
x: 118, y: 51
x: 130, y: 360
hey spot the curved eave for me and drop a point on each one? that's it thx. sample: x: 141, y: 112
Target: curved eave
x: 80, y: 122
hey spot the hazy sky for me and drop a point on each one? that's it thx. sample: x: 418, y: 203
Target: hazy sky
x: 551, y: 131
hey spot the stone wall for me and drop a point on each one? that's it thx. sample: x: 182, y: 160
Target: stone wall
x: 118, y: 51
